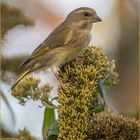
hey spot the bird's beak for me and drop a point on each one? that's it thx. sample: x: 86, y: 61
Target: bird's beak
x: 96, y: 18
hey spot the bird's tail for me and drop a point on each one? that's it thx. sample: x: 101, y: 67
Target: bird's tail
x: 20, y: 78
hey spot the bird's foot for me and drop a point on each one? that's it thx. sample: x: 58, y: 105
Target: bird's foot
x: 80, y: 60
x: 61, y: 84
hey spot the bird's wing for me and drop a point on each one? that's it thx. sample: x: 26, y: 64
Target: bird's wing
x: 59, y: 37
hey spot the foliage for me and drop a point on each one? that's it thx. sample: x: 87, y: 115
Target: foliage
x: 49, y: 119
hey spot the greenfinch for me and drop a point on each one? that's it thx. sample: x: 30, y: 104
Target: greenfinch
x: 63, y: 44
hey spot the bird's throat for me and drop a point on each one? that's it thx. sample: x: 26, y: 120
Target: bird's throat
x: 83, y: 25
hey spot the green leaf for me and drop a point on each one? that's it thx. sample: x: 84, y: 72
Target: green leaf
x: 53, y: 132
x: 101, y: 88
x: 49, y: 119
x: 102, y: 91
x: 97, y: 109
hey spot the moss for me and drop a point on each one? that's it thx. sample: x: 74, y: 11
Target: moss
x: 75, y: 98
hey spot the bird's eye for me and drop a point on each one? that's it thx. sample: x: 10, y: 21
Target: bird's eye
x: 86, y: 14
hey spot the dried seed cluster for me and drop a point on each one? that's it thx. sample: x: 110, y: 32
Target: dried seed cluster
x: 81, y: 77
x: 111, y: 126
x: 29, y: 89
x: 25, y: 135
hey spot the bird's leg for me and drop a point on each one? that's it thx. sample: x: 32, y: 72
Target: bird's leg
x: 80, y: 60
x: 61, y: 84
x: 55, y: 73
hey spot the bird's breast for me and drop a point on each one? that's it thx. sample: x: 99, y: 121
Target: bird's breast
x: 79, y: 44
x: 74, y: 47
x: 82, y: 39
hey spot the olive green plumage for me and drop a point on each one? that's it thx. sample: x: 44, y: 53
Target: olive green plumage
x: 64, y: 43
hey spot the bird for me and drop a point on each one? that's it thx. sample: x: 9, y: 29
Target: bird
x: 63, y: 44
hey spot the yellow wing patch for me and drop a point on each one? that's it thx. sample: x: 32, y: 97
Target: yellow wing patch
x: 40, y: 52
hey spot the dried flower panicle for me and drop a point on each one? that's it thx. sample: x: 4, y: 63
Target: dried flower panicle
x: 75, y: 99
x: 12, y: 16
x: 25, y: 135
x: 29, y: 89
x: 112, y: 126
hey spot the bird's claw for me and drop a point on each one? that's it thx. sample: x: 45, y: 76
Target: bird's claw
x: 61, y: 84
x: 80, y: 60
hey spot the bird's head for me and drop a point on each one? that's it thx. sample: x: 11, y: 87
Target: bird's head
x: 83, y: 17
